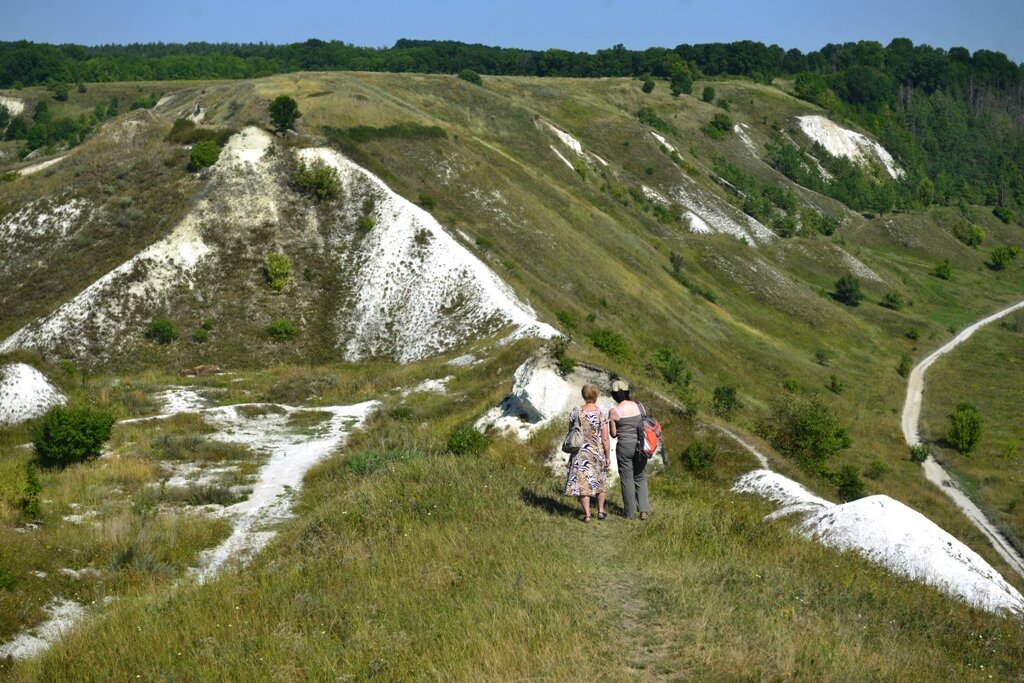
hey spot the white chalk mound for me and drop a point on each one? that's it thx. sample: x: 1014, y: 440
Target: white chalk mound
x: 842, y: 142
x: 893, y: 535
x: 25, y: 393
x: 420, y: 291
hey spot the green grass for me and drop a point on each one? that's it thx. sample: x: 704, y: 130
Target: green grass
x: 431, y: 566
x: 988, y: 372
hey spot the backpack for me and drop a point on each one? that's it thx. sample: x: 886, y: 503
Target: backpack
x: 648, y: 434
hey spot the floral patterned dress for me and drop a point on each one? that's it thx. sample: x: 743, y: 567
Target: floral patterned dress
x: 586, y: 467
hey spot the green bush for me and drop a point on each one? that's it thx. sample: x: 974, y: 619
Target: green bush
x: 318, y: 180
x: 161, y: 330
x: 281, y: 330
x: 726, y: 401
x: 722, y: 122
x: 1001, y: 256
x: 466, y: 441
x: 648, y: 84
x: 427, y: 202
x: 612, y: 343
x: 471, y: 76
x: 848, y: 291
x: 970, y: 234
x: 708, y: 95
x: 905, y: 365
x: 699, y: 456
x: 277, y: 270
x: 892, y: 300
x: 835, y: 385
x: 876, y: 470
x: 964, y: 428
x: 203, y: 154
x: 805, y: 430
x: 284, y: 111
x: 1004, y: 214
x: 851, y: 486
x: 29, y: 504
x: 943, y: 271
x: 68, y: 435
x: 648, y: 116
x: 919, y: 452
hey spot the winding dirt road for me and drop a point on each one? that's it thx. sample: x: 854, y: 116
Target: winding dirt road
x: 932, y: 469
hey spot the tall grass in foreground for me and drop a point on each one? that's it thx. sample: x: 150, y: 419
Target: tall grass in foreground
x: 411, y: 564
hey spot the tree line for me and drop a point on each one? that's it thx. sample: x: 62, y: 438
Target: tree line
x: 954, y: 118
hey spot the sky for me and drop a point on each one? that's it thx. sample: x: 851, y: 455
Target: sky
x: 584, y: 25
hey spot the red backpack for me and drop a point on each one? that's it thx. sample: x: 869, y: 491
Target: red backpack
x: 648, y: 435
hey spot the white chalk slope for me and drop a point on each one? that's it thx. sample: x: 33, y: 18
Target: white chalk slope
x: 25, y: 393
x: 893, y: 535
x: 842, y: 142
x: 420, y: 292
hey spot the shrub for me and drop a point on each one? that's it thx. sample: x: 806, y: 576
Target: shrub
x: 1001, y: 256
x: 876, y: 470
x: 805, y: 430
x: 699, y: 456
x: 161, y: 330
x: 919, y: 452
x: 722, y: 122
x: 848, y: 290
x: 612, y: 343
x: 427, y: 202
x: 964, y: 429
x: 892, y: 300
x: 970, y: 234
x: 943, y: 271
x: 284, y: 111
x: 318, y: 180
x: 281, y: 330
x: 913, y: 334
x: 68, y: 435
x: 277, y: 270
x: 567, y: 319
x: 835, y: 385
x: 1004, y: 214
x: 466, y: 441
x: 648, y: 84
x: 851, y: 486
x: 470, y: 76
x: 905, y: 365
x: 561, y: 346
x: 725, y: 401
x: 648, y: 116
x: 203, y: 154
x: 708, y: 95
x: 33, y: 487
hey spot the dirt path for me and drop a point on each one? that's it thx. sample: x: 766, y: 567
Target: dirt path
x: 932, y: 469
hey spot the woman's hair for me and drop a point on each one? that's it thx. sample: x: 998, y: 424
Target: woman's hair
x: 620, y: 396
x: 590, y: 392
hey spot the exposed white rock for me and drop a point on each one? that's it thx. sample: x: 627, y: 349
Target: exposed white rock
x: 430, y: 386
x: 25, y: 393
x: 42, y: 219
x: 842, y: 142
x: 741, y: 131
x: 42, y: 165
x: 653, y: 195
x: 661, y: 140
x: 15, y: 106
x: 567, y: 139
x: 63, y: 615
x: 697, y: 224
x: 893, y: 535
x: 420, y: 291
x: 716, y: 216
x: 562, y: 157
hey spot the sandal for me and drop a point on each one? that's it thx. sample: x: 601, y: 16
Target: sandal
x: 601, y: 516
x: 586, y: 520
x: 644, y: 515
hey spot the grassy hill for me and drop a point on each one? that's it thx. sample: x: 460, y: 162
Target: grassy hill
x: 372, y: 580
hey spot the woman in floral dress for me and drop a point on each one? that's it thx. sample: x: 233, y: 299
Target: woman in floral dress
x: 586, y: 476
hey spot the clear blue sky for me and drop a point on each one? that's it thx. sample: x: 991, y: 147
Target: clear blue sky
x: 535, y: 24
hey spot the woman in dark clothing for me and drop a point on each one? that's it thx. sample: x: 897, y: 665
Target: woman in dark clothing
x: 623, y: 420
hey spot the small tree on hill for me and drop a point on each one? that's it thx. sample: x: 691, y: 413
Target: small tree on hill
x: 470, y: 76
x: 964, y: 430
x: 708, y: 95
x: 648, y: 84
x: 848, y: 290
x: 203, y: 154
x: 805, y: 430
x: 284, y: 111
x: 70, y: 435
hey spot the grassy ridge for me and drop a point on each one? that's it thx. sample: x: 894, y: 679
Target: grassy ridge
x: 430, y: 566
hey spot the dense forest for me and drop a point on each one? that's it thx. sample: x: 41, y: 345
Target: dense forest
x: 954, y: 119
